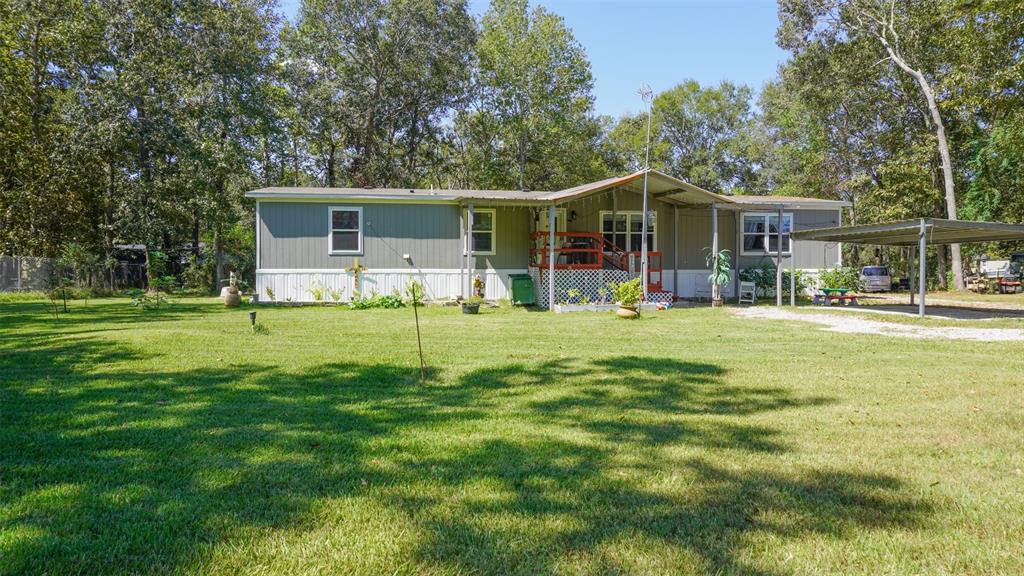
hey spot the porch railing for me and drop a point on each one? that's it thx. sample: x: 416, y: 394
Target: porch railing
x: 592, y: 251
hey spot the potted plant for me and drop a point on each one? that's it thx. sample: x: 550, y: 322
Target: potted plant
x: 471, y: 305
x: 232, y: 297
x: 628, y: 295
x: 719, y: 274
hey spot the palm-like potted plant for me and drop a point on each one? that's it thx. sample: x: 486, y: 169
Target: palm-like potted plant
x: 719, y: 274
x: 628, y: 295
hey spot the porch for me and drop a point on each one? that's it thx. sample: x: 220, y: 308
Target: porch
x: 583, y: 264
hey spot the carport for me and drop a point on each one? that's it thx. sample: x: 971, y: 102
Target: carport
x: 917, y: 234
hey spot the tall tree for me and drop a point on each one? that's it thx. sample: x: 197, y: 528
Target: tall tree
x: 903, y: 34
x: 531, y: 122
x: 708, y: 136
x: 375, y: 80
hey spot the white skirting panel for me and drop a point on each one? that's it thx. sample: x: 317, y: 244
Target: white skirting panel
x: 439, y: 284
x: 689, y: 282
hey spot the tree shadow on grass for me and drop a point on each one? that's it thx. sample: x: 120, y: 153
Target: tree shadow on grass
x: 106, y: 470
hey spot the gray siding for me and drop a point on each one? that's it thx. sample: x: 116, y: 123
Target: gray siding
x: 294, y: 235
x: 807, y: 254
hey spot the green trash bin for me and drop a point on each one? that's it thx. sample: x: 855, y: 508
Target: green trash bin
x: 522, y: 289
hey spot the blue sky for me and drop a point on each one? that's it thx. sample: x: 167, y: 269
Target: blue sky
x: 662, y: 42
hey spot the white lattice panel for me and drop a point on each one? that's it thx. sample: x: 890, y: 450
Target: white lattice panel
x: 587, y: 282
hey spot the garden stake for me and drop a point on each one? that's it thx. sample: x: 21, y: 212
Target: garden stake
x: 414, y: 289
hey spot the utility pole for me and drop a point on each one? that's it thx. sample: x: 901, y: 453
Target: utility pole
x: 647, y: 96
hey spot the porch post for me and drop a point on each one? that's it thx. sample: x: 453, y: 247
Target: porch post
x: 469, y: 251
x: 922, y: 272
x: 778, y: 260
x: 551, y: 256
x: 462, y: 259
x: 714, y: 251
x: 675, y: 251
x: 615, y: 211
x: 643, y: 241
x: 736, y: 255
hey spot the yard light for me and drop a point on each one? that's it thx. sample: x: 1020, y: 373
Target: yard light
x: 252, y: 320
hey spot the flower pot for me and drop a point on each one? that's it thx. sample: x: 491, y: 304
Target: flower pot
x: 716, y: 302
x: 470, y: 308
x: 626, y: 312
x: 232, y: 298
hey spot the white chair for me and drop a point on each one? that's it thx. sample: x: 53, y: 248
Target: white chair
x: 748, y: 293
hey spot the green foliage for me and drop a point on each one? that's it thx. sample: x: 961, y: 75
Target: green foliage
x: 628, y: 293
x: 840, y: 277
x: 762, y: 275
x: 414, y: 292
x: 197, y: 278
x: 721, y: 275
x: 531, y: 123
x: 79, y: 260
x: 147, y: 300
x: 317, y: 290
x: 377, y: 301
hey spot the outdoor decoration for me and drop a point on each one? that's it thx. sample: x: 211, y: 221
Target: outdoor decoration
x: 357, y: 271
x: 479, y: 286
x: 719, y: 265
x: 472, y: 305
x: 232, y: 297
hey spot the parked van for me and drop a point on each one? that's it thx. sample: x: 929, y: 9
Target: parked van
x: 875, y: 279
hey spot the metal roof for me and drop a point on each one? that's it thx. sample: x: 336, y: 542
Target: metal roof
x: 660, y: 185
x: 905, y: 232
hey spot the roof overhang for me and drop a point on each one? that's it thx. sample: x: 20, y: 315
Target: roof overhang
x: 659, y: 185
x: 906, y: 232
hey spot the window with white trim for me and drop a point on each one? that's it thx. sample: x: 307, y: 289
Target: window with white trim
x: 346, y: 225
x: 483, y: 234
x: 761, y: 233
x: 627, y: 231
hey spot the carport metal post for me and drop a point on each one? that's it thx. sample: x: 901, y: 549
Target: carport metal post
x: 778, y: 259
x: 922, y: 245
x: 551, y: 256
x: 913, y: 273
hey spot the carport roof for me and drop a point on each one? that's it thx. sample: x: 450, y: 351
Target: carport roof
x: 905, y: 232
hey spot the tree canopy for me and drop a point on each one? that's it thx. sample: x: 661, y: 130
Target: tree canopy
x: 144, y: 121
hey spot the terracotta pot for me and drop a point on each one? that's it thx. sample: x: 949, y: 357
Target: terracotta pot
x: 626, y: 312
x: 716, y: 302
x: 232, y: 298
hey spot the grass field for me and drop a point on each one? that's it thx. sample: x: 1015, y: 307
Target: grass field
x: 178, y: 442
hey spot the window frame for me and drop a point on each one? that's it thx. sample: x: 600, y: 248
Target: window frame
x: 629, y: 214
x: 331, y: 230
x: 767, y: 233
x: 493, y: 231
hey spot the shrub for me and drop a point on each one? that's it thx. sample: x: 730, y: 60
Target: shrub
x: 377, y: 301
x: 841, y: 277
x: 627, y: 293
x: 762, y: 275
x: 197, y: 278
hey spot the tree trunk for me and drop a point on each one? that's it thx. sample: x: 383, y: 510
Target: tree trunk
x: 218, y: 255
x: 940, y: 136
x: 331, y: 159
x: 940, y: 251
x: 195, y: 234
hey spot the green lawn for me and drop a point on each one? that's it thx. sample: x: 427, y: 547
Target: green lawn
x: 176, y: 441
